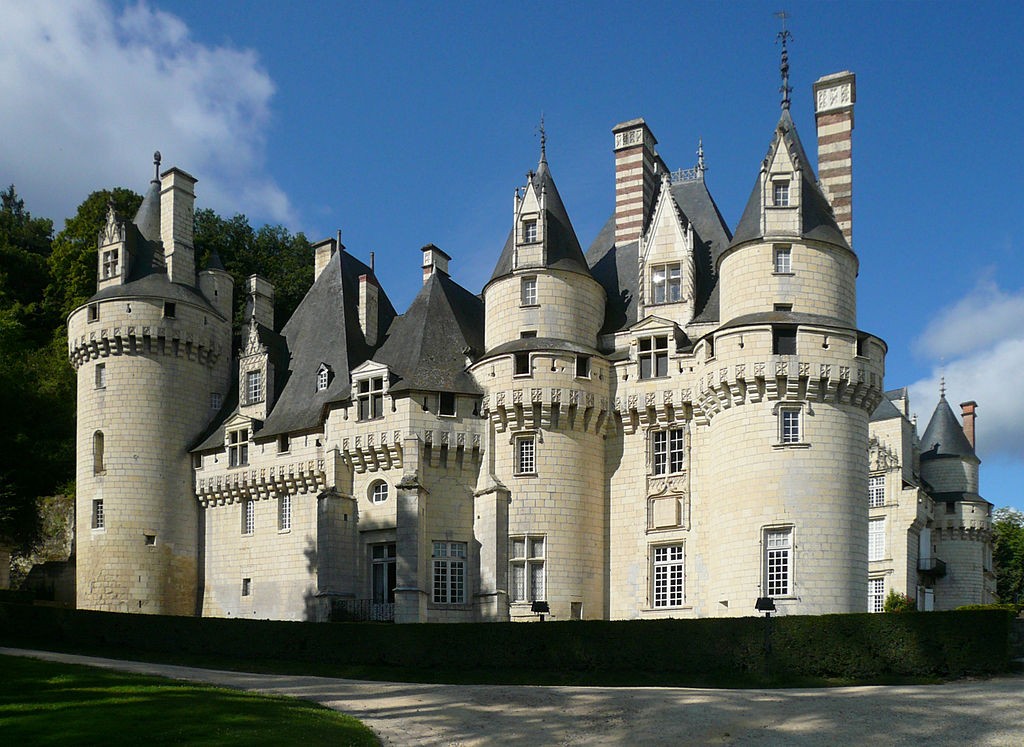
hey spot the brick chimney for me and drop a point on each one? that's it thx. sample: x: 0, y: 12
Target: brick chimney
x: 834, y: 97
x: 968, y: 414
x: 177, y: 199
x: 434, y: 260
x: 636, y: 179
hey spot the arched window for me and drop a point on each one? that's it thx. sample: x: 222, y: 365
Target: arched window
x: 97, y: 452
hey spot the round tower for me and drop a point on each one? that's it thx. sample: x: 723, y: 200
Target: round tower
x: 787, y: 385
x: 547, y: 398
x: 152, y: 354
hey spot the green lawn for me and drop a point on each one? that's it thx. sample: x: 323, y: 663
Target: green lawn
x: 48, y: 703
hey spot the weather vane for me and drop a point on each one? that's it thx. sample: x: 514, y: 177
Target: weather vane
x: 784, y: 36
x: 543, y: 137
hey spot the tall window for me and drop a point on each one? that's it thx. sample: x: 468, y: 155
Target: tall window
x: 99, y: 520
x: 529, y: 231
x: 253, y: 386
x: 384, y: 578
x: 876, y: 594
x: 783, y: 259
x: 248, y: 516
x: 216, y: 400
x: 789, y: 425
x: 666, y: 283
x: 526, y: 566
x: 238, y: 447
x: 110, y: 259
x: 653, y: 354
x: 97, y: 453
x: 778, y: 562
x: 526, y: 455
x: 876, y: 491
x: 668, y: 451
x: 528, y: 296
x: 876, y: 539
x: 449, y: 573
x: 667, y: 575
x: 371, y: 398
x: 323, y: 378
x: 101, y: 375
x: 780, y: 194
x: 284, y: 512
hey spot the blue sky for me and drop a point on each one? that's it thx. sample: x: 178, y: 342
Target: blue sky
x: 407, y: 123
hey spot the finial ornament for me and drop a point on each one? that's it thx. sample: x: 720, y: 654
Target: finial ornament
x: 784, y: 36
x: 543, y: 138
x: 156, y: 166
x: 700, y: 156
x: 942, y: 387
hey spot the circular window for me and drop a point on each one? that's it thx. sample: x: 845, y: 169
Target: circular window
x: 379, y: 492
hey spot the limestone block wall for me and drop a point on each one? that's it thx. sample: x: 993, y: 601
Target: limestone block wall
x: 570, y: 306
x: 949, y: 474
x: 150, y: 402
x: 822, y: 281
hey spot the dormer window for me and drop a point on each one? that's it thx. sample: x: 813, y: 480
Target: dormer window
x: 666, y: 283
x: 323, y: 377
x: 653, y: 354
x: 238, y: 447
x: 110, y: 263
x: 780, y: 193
x: 371, y: 398
x: 529, y: 231
x: 253, y: 386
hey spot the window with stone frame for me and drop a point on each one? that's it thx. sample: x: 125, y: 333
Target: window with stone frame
x: 778, y: 562
x: 378, y: 492
x: 521, y: 363
x: 783, y: 260
x: 790, y: 425
x: 652, y: 353
x: 526, y: 455
x: 446, y: 404
x: 876, y: 491
x: 370, y: 398
x: 527, y: 556
x: 284, y: 512
x: 110, y: 263
x: 582, y: 366
x: 667, y: 576
x: 238, y: 447
x: 99, y: 519
x: 783, y: 340
x: 780, y: 193
x: 668, y: 451
x: 876, y: 595
x: 876, y: 539
x: 528, y: 291
x: 253, y: 387
x: 248, y: 516
x: 529, y: 231
x: 98, y: 467
x: 666, y: 283
x: 449, y: 573
x: 101, y: 375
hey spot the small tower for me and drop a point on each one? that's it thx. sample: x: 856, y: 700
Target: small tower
x: 152, y: 354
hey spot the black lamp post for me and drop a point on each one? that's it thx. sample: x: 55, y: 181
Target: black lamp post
x: 541, y: 608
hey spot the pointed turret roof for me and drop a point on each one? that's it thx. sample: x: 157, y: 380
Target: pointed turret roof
x: 563, y: 248
x: 817, y: 220
x: 147, y: 218
x: 944, y: 437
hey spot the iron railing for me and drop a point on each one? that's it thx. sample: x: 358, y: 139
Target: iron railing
x: 932, y: 567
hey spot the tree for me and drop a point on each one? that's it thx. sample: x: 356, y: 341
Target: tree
x: 1008, y: 554
x: 897, y: 602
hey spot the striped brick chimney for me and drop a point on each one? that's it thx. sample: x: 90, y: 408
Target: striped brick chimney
x: 636, y: 179
x: 834, y: 97
x: 968, y: 414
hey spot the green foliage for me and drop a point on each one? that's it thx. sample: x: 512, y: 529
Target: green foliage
x: 707, y: 652
x: 896, y: 602
x: 286, y: 260
x: 1008, y: 554
x: 49, y: 703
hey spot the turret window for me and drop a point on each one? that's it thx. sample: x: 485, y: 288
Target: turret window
x: 783, y: 260
x: 780, y: 194
x: 253, y: 386
x: 238, y: 448
x: 526, y: 455
x: 666, y: 283
x: 529, y: 231
x: 653, y: 355
x: 99, y: 520
x: 528, y: 295
x: 582, y: 366
x: 789, y: 425
x: 668, y: 451
x: 783, y: 341
x: 778, y: 562
x: 97, y: 453
x: 110, y: 263
x: 101, y: 375
x: 446, y: 404
x: 522, y: 364
x: 526, y: 568
x: 371, y: 398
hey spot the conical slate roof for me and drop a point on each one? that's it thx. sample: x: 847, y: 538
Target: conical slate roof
x: 563, y: 248
x: 147, y: 218
x: 944, y: 436
x: 817, y: 220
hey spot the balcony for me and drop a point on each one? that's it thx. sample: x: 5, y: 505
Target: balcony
x: 361, y: 610
x: 932, y: 567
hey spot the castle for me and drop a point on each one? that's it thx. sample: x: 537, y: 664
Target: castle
x: 681, y: 421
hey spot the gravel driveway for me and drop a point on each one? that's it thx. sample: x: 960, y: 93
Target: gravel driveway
x: 975, y: 712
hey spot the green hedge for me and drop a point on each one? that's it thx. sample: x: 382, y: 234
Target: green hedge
x: 861, y: 647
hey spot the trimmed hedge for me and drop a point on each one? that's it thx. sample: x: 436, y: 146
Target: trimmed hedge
x: 846, y: 647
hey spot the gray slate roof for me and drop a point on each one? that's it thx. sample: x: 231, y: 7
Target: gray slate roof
x: 944, y: 437
x: 817, y: 219
x: 563, y: 248
x: 886, y: 410
x: 425, y: 345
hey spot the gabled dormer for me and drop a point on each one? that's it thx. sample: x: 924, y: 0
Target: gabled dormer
x: 781, y: 188
x: 113, y: 254
x: 652, y: 342
x: 667, y: 282
x: 370, y: 383
x: 255, y: 373
x: 530, y: 222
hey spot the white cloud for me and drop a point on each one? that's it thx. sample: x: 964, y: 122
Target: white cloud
x: 977, y: 344
x: 87, y: 95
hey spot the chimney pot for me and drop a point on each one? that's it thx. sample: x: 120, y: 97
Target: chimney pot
x: 969, y: 415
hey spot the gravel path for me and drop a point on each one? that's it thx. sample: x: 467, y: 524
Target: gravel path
x: 976, y: 712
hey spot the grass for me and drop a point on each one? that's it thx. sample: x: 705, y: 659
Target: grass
x: 45, y: 703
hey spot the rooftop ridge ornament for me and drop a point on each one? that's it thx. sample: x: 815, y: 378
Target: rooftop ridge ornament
x: 700, y: 156
x: 543, y: 139
x: 156, y: 166
x: 784, y: 36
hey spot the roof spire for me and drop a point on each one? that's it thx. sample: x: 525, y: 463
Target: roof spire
x: 942, y: 387
x: 156, y: 167
x: 543, y: 139
x: 783, y: 36
x: 700, y: 157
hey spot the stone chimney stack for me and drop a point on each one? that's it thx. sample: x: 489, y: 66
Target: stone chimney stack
x: 322, y: 253
x: 368, y: 301
x: 177, y: 200
x: 968, y: 414
x: 434, y: 260
x: 834, y: 97
x: 636, y: 179
x: 260, y: 303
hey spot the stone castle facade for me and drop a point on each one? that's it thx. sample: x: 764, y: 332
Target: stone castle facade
x: 678, y: 422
